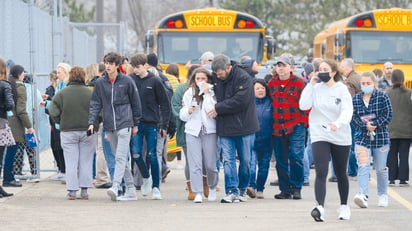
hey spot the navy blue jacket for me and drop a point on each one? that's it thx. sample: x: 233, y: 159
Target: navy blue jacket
x: 263, y: 141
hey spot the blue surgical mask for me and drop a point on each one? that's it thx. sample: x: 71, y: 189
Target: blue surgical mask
x: 368, y: 89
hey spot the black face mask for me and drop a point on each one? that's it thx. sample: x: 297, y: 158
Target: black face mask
x: 324, y: 76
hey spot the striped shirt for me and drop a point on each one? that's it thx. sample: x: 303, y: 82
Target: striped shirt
x: 285, y: 101
x: 379, y: 111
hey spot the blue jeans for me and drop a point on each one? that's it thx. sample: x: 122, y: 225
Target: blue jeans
x: 364, y: 156
x: 229, y: 146
x: 263, y: 162
x: 8, y: 175
x: 136, y: 143
x: 289, y: 151
x: 307, y: 160
x: 352, y: 165
x: 108, y: 155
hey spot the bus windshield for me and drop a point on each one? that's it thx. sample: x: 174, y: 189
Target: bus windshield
x: 177, y: 47
x: 380, y: 46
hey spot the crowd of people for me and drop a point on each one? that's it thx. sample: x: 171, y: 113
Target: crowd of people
x: 121, y: 113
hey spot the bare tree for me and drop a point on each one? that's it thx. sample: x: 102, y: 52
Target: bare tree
x: 146, y: 13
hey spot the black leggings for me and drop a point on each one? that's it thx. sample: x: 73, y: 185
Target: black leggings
x: 322, y: 151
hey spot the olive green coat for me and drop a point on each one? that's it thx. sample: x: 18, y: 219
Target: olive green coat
x: 20, y: 120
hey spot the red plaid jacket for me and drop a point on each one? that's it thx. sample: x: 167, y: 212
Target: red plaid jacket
x: 285, y: 102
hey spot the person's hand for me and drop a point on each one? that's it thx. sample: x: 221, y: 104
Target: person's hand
x: 44, y: 96
x: 314, y: 80
x: 134, y: 130
x: 369, y: 126
x: 205, y: 88
x: 163, y: 132
x: 191, y: 110
x: 91, y: 127
x: 30, y: 131
x: 212, y: 113
x: 333, y: 127
x: 42, y: 103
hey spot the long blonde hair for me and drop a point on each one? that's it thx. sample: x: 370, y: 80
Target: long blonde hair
x: 91, y: 71
x: 3, y: 74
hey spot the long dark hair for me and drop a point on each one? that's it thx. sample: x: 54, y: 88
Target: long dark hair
x: 192, y: 83
x: 398, y: 79
x: 14, y: 74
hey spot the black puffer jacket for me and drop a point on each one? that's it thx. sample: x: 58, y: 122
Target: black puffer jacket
x: 119, y: 101
x: 236, y: 105
x: 6, y: 98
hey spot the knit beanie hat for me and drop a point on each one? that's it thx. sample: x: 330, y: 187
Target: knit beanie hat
x: 152, y: 60
x: 308, y: 68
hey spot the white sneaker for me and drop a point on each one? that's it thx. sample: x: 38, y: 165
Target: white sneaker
x: 147, y: 186
x: 156, y: 194
x: 242, y: 198
x: 361, y: 200
x: 198, y: 198
x: 129, y: 195
x: 383, y: 200
x: 344, y: 212
x: 33, y: 180
x: 56, y: 177
x: 212, y: 195
x: 318, y: 213
x: 112, y: 192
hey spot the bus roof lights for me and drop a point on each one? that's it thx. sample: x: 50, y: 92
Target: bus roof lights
x: 170, y: 24
x: 367, y: 22
x: 250, y: 24
x: 179, y: 23
x: 359, y: 23
x: 241, y: 24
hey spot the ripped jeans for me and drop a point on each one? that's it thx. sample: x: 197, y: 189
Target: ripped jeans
x: 363, y: 157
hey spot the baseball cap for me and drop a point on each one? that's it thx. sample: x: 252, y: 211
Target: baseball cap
x: 284, y: 60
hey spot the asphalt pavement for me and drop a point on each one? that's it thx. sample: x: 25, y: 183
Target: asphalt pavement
x: 43, y: 206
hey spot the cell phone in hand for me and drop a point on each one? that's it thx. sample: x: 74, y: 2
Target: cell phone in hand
x: 90, y: 132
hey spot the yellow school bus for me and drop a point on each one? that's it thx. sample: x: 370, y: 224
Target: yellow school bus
x: 184, y: 36
x: 370, y: 39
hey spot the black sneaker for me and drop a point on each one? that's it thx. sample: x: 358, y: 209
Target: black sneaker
x: 296, y: 194
x: 283, y: 195
x: 403, y: 183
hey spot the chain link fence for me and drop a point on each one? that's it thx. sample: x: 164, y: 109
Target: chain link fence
x: 39, y: 40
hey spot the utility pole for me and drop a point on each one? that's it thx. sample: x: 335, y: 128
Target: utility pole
x: 119, y: 9
x: 99, y: 30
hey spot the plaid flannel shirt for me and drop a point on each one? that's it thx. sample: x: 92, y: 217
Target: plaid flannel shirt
x: 285, y: 102
x: 380, y: 109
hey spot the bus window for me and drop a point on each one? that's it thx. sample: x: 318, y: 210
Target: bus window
x: 368, y: 47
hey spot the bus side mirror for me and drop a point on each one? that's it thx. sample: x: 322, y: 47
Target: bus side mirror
x: 270, y: 46
x: 339, y: 39
x: 149, y: 40
x: 323, y: 47
x: 310, y: 53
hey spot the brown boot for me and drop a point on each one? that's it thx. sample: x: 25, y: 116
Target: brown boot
x: 191, y: 195
x: 205, y: 187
